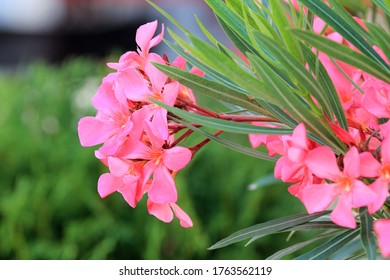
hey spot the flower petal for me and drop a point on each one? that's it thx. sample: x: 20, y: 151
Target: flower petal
x: 129, y: 190
x: 361, y: 194
x: 162, y: 212
x: 185, y: 220
x: 163, y: 188
x: 107, y: 184
x: 322, y: 163
x: 382, y: 229
x: 385, y: 151
x: 176, y: 158
x: 318, y: 197
x: 379, y: 186
x: 369, y: 166
x: 92, y: 131
x: 352, y: 163
x: 342, y: 214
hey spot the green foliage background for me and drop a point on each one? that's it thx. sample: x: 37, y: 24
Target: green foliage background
x: 49, y: 206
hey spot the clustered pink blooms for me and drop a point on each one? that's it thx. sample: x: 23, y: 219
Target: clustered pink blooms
x: 138, y: 140
x: 361, y: 177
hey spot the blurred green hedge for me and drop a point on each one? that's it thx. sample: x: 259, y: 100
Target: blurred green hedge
x: 49, y: 206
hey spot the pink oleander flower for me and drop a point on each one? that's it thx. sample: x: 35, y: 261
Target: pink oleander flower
x: 346, y: 186
x: 382, y: 230
x: 291, y: 167
x: 371, y: 168
x: 161, y: 163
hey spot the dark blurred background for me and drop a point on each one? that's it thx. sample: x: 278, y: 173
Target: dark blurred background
x: 52, y: 59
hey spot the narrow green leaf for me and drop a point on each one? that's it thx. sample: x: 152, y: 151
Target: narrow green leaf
x: 206, y: 32
x: 326, y: 85
x: 332, y: 246
x: 283, y: 25
x: 267, y: 228
x: 345, y: 29
x: 315, y: 225
x: 343, y: 53
x: 201, y: 85
x: 367, y: 236
x: 168, y: 16
x: 298, y: 71
x: 291, y: 249
x: 382, y: 38
x: 227, y: 126
x: 228, y: 144
x: 384, y: 5
x: 295, y: 107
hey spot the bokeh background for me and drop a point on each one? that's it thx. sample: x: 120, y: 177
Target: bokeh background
x: 52, y: 59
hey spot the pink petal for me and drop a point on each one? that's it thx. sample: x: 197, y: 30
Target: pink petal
x: 382, y: 229
x: 352, y: 163
x: 299, y: 136
x: 160, y: 122
x: 318, y: 197
x: 369, y: 166
x: 144, y: 37
x: 129, y: 189
x: 134, y: 85
x: 176, y: 158
x: 296, y: 155
x: 170, y: 93
x: 92, y: 131
x: 161, y: 211
x: 322, y: 163
x: 375, y: 104
x: 379, y: 186
x: 117, y: 166
x: 107, y: 184
x: 185, y: 220
x: 153, y: 130
x: 342, y: 214
x: 156, y: 77
x: 104, y: 100
x: 257, y: 140
x: 163, y: 188
x: 385, y: 151
x: 361, y: 194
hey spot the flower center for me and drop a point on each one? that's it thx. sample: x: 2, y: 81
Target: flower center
x: 385, y: 172
x: 345, y: 183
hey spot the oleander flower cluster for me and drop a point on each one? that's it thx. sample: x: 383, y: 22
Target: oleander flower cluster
x: 139, y: 148
x: 360, y: 178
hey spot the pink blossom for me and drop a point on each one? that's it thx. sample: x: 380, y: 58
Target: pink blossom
x: 112, y: 122
x: 376, y: 99
x: 291, y: 167
x: 346, y: 186
x: 161, y: 163
x: 382, y: 231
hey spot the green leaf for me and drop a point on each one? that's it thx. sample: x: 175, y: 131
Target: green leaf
x: 291, y: 249
x: 382, y: 38
x: 318, y: 129
x: 298, y: 71
x: 169, y: 17
x: 326, y: 85
x: 283, y: 25
x: 332, y: 246
x: 343, y: 53
x: 267, y: 228
x: 227, y: 126
x: 315, y: 225
x: 201, y: 85
x: 228, y: 144
x: 367, y: 236
x: 384, y: 5
x: 345, y: 30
